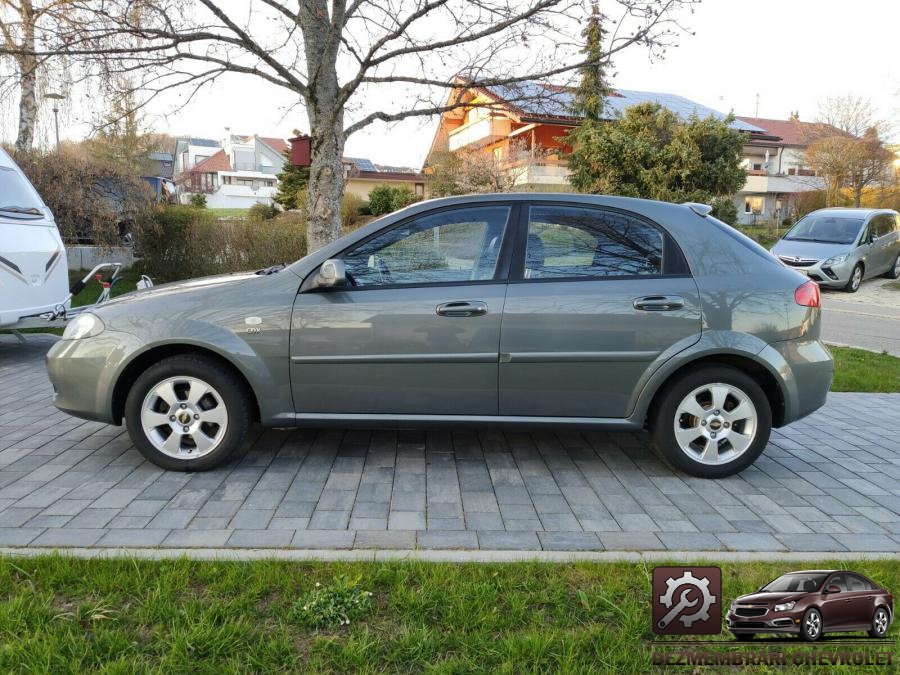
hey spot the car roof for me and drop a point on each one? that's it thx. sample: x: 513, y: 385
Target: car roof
x: 816, y: 572
x: 849, y: 212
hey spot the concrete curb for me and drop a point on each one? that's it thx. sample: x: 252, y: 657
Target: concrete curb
x: 382, y: 555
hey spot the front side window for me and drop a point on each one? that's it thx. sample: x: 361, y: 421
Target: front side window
x: 444, y: 247
x: 571, y: 242
x: 839, y: 581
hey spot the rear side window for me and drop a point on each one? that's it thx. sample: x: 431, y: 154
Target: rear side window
x: 567, y: 242
x: 884, y: 224
x: 857, y: 583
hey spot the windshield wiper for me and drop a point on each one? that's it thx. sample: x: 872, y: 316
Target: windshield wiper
x: 274, y: 269
x: 24, y: 210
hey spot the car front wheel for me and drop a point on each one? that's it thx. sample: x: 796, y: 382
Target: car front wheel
x: 811, y: 626
x: 712, y: 423
x: 188, y: 413
x: 856, y: 277
x: 880, y: 623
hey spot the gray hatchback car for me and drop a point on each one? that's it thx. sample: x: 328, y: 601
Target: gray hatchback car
x: 513, y: 310
x: 840, y: 247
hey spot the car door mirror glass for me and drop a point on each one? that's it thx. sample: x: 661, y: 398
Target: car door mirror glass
x: 332, y: 274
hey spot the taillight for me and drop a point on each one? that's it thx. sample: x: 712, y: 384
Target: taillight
x: 808, y: 295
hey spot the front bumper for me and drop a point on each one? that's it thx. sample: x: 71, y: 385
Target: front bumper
x: 84, y: 373
x: 770, y: 622
x: 830, y: 276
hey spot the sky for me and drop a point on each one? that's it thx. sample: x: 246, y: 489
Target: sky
x: 791, y: 54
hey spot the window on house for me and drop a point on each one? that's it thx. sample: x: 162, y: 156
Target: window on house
x: 420, y: 189
x: 757, y: 166
x: 754, y: 205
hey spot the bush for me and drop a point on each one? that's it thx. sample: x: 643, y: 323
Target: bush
x: 333, y: 606
x: 197, y: 201
x: 385, y: 199
x: 183, y: 242
x: 352, y: 216
x: 725, y: 210
x: 94, y: 201
x: 260, y: 211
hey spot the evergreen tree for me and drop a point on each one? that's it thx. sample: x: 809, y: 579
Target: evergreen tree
x: 588, y: 100
x: 292, y: 182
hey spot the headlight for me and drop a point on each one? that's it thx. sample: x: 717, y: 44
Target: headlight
x: 836, y: 260
x: 785, y: 607
x: 82, y: 326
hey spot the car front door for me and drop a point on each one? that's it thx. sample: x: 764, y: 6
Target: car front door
x: 595, y: 296
x: 837, y: 608
x: 417, y: 330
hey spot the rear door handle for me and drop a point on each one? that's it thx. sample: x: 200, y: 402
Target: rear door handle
x: 659, y: 303
x: 462, y: 308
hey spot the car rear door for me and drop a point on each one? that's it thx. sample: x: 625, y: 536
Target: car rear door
x: 862, y: 596
x: 595, y: 296
x: 418, y: 333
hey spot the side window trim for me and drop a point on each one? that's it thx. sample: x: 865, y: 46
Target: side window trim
x: 501, y: 269
x: 674, y: 263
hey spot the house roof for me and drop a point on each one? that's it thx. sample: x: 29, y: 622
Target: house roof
x: 218, y: 161
x: 366, y: 168
x: 279, y: 145
x: 538, y: 101
x: 205, y: 142
x: 792, y: 131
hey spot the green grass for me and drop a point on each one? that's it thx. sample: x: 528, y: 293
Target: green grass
x: 228, y: 213
x: 860, y: 370
x: 127, y: 616
x: 764, y: 236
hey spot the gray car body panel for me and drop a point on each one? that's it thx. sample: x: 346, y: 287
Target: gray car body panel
x: 739, y: 303
x: 877, y: 257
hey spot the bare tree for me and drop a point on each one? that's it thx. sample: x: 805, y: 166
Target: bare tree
x: 848, y: 150
x: 458, y: 173
x: 337, y: 57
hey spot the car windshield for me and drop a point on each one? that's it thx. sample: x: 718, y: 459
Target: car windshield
x: 17, y: 199
x: 801, y: 582
x: 825, y: 229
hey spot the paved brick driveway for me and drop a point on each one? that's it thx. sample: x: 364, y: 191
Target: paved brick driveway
x: 828, y: 483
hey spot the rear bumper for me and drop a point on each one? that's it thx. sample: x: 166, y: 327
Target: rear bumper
x: 84, y: 372
x: 806, y: 370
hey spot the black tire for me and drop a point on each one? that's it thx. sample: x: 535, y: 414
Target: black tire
x: 744, y: 637
x: 805, y: 631
x: 662, y: 421
x: 874, y: 631
x: 234, y: 395
x: 894, y: 272
x: 854, y: 282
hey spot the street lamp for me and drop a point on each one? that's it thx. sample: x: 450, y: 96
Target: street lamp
x: 55, y: 98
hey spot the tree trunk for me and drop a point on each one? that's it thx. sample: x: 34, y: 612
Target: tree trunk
x: 27, y: 64
x: 857, y: 195
x: 326, y: 179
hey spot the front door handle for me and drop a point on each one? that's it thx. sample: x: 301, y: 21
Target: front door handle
x: 462, y: 308
x: 659, y: 303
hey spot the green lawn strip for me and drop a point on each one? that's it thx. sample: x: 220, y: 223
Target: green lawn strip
x: 864, y: 371
x: 61, y: 614
x: 228, y: 213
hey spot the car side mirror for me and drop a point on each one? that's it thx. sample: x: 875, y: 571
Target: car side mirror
x: 833, y: 589
x: 332, y: 274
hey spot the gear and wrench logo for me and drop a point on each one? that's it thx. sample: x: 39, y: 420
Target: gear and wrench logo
x: 685, y: 599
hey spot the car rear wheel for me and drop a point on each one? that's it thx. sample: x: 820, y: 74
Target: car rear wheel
x: 856, y: 277
x: 188, y: 413
x: 811, y: 625
x: 880, y: 623
x: 894, y: 272
x: 712, y: 423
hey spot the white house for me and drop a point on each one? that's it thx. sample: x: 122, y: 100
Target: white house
x: 237, y: 172
x: 776, y: 171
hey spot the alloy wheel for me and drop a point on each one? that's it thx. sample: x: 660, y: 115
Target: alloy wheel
x: 813, y: 625
x: 856, y: 280
x: 184, y: 417
x: 715, y: 423
x: 881, y: 622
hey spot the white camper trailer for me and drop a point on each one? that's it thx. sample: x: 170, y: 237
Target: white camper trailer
x: 34, y: 277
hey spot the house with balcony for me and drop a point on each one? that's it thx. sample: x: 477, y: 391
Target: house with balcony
x: 776, y: 169
x: 237, y: 172
x: 361, y: 175
x: 524, y: 126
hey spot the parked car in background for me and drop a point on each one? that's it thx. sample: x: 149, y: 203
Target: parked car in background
x: 839, y: 247
x: 811, y: 603
x: 34, y: 276
x: 512, y: 310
